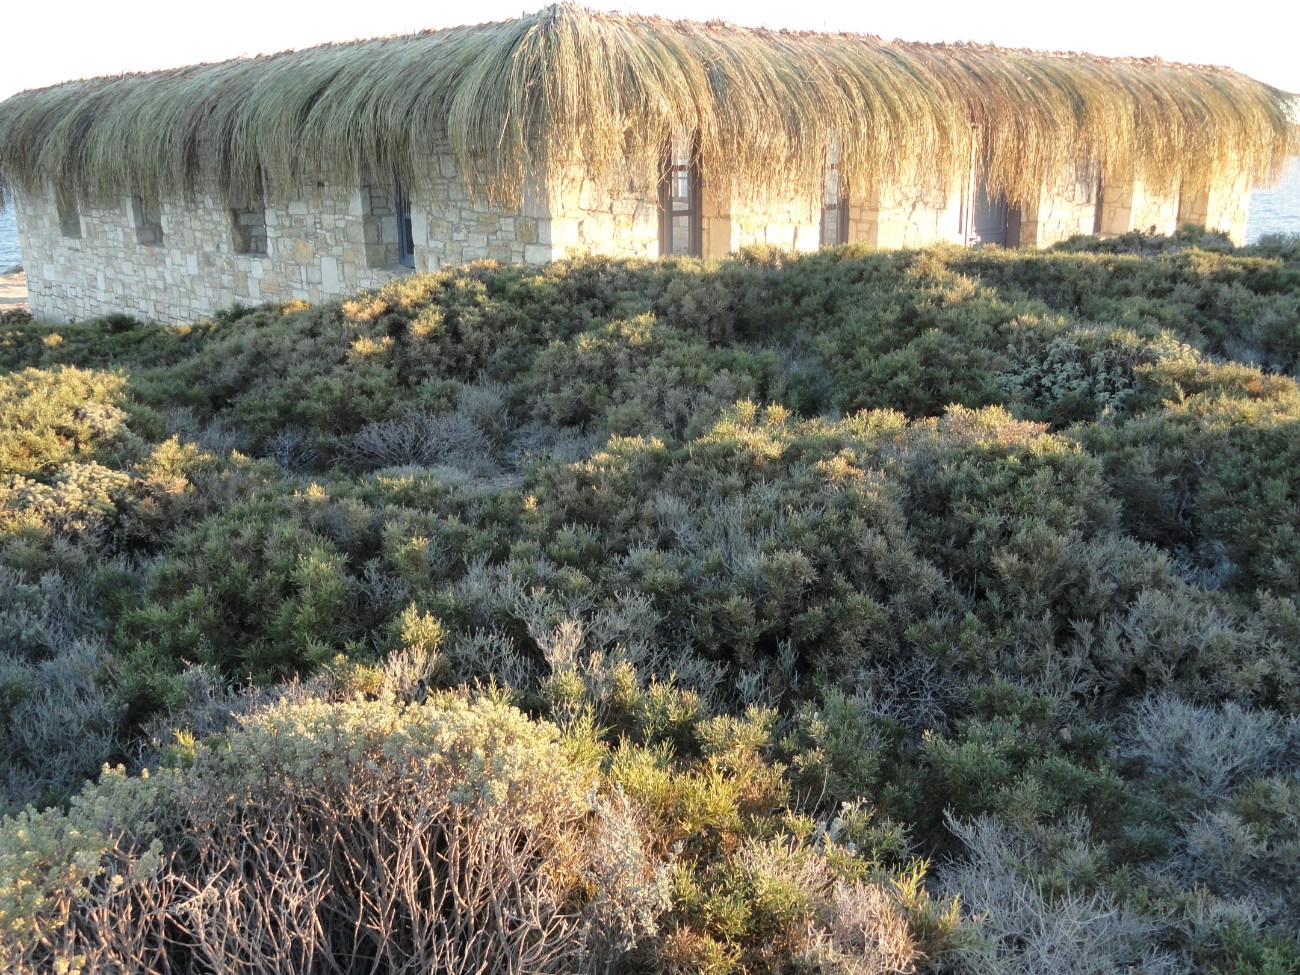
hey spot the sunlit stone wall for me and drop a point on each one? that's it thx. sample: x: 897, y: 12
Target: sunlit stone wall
x: 333, y: 240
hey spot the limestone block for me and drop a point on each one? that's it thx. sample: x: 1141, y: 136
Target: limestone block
x: 329, y: 270
x: 599, y: 228
x: 537, y: 254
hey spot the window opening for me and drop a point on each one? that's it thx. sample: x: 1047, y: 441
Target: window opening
x: 405, y: 238
x: 386, y: 220
x: 1087, y: 181
x: 835, y: 204
x: 679, y: 198
x: 147, y: 221
x: 248, y: 221
x: 69, y: 216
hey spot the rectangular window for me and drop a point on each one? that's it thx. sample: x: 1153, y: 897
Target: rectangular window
x: 147, y: 222
x: 679, y: 199
x: 248, y: 222
x: 405, y: 238
x: 835, y: 204
x: 69, y: 216
x: 386, y: 220
x: 1086, y: 181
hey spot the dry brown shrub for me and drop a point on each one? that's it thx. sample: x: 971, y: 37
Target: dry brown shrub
x: 346, y: 838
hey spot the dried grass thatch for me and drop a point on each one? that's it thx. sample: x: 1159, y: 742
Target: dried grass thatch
x: 568, y: 85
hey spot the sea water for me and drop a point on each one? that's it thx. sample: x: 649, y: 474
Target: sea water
x: 1276, y: 210
x: 1272, y: 211
x: 9, y: 252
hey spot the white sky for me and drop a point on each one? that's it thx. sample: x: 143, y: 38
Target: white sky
x: 48, y: 41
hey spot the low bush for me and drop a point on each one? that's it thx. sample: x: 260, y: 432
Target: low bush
x: 450, y: 835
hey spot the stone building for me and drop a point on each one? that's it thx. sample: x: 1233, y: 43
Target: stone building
x: 313, y: 174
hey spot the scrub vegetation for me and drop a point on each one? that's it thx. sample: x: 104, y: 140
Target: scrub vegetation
x: 857, y: 612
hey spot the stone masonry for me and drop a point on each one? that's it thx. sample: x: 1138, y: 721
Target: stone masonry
x: 183, y: 259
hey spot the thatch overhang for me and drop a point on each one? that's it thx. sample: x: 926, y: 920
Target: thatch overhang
x: 569, y: 86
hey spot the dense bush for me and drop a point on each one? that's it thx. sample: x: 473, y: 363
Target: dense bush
x: 863, y: 612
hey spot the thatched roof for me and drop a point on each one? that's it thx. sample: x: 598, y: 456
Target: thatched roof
x: 569, y: 83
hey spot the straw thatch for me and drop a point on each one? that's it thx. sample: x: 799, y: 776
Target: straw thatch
x: 569, y: 86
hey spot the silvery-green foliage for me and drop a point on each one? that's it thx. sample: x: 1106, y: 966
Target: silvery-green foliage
x: 1211, y: 750
x: 210, y: 705
x: 58, y: 720
x: 542, y: 443
x: 1024, y: 931
x: 1064, y: 375
x: 419, y: 439
x: 487, y: 592
x: 481, y: 655
x: 292, y: 448
x: 221, y: 439
x: 59, y: 723
x: 915, y: 691
x: 632, y: 888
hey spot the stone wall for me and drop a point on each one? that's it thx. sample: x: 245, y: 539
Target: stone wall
x: 1117, y: 198
x: 311, y: 249
x: 1154, y: 209
x: 450, y: 228
x: 908, y: 217
x: 185, y: 259
x: 1129, y: 205
x: 1065, y: 209
x: 1222, y: 207
x: 619, y: 217
x: 715, y: 219
x: 793, y: 225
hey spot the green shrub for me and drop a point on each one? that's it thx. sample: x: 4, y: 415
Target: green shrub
x: 48, y: 417
x: 1044, y: 577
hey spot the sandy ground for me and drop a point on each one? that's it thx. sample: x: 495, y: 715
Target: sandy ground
x: 13, y: 291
